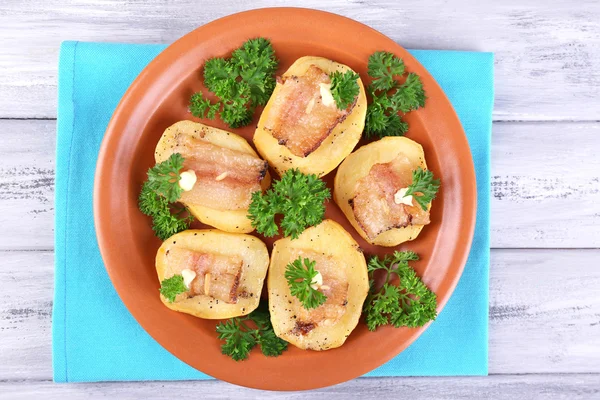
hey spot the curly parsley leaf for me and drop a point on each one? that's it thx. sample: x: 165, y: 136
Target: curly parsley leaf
x: 300, y: 275
x: 238, y: 337
x: 298, y: 197
x: 383, y: 66
x: 172, y: 286
x: 409, y: 303
x: 201, y: 107
x: 344, y: 88
x: 380, y: 121
x: 256, y: 64
x: 164, y: 177
x: 160, y: 190
x: 390, y: 97
x: 241, y: 334
x: 167, y: 219
x: 217, y: 76
x: 423, y: 187
x: 236, y: 114
x: 149, y: 202
x: 410, y: 95
x: 241, y: 82
x: 270, y: 344
x: 262, y: 213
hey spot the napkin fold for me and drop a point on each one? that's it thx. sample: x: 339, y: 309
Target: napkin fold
x: 94, y: 338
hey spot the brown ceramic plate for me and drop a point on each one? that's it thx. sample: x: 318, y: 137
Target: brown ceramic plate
x: 158, y: 98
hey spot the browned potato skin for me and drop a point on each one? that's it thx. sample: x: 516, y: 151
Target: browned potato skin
x: 255, y: 263
x: 229, y: 221
x: 330, y: 238
x: 340, y: 142
x: 357, y: 165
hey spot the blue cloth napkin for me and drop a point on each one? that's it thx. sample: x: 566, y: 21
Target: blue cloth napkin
x: 94, y: 338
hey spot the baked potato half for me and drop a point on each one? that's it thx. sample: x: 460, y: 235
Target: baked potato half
x: 359, y: 165
x: 225, y: 272
x: 343, y: 269
x: 225, y: 154
x: 337, y: 138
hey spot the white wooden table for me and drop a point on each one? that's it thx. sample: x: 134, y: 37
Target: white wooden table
x: 545, y: 272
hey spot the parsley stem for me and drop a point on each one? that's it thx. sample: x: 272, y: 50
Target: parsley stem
x: 181, y: 210
x: 389, y: 273
x: 243, y: 324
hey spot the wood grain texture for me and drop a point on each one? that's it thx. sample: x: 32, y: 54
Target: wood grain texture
x: 544, y: 311
x: 532, y: 329
x: 27, y: 184
x: 499, y: 387
x: 546, y: 51
x: 26, y: 315
x: 545, y: 185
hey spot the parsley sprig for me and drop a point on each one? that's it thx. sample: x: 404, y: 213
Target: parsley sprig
x: 344, y: 88
x: 298, y: 197
x: 300, y: 275
x: 409, y: 303
x: 158, y: 194
x: 241, y: 82
x: 423, y: 187
x: 240, y: 337
x: 164, y: 177
x: 172, y: 286
x: 390, y: 97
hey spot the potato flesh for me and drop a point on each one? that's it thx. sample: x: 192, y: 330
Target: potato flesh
x: 226, y: 220
x: 332, y: 242
x: 255, y: 260
x: 340, y: 142
x: 358, y: 165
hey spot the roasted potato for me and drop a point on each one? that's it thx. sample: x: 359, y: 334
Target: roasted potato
x: 333, y: 149
x: 342, y: 266
x: 227, y: 220
x: 358, y: 165
x: 246, y: 261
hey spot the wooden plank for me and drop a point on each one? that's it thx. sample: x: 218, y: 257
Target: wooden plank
x: 544, y: 311
x: 26, y: 314
x: 546, y: 54
x: 545, y: 185
x: 27, y: 184
x: 544, y: 317
x: 499, y: 387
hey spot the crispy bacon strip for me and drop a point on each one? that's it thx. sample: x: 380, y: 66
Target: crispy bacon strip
x: 298, y: 118
x: 374, y: 207
x: 335, y: 287
x: 222, y: 272
x: 226, y: 178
